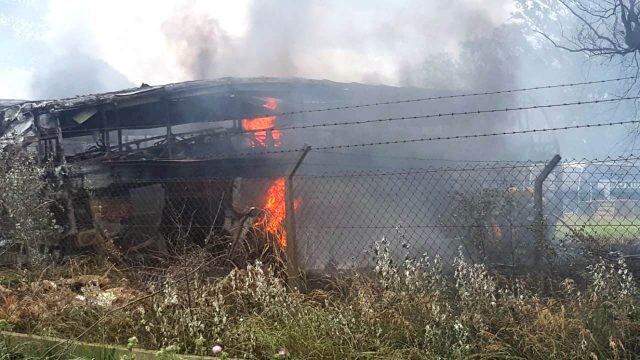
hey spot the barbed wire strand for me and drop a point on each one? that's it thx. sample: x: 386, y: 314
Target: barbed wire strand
x: 425, y: 139
x: 460, y: 113
x: 454, y: 96
x: 359, y: 106
x: 6, y: 139
x: 369, y: 172
x: 414, y: 158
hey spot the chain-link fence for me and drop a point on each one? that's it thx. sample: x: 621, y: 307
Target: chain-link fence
x: 486, y: 210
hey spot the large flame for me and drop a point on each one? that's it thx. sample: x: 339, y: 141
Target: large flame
x: 263, y: 134
x: 276, y: 211
x: 261, y: 126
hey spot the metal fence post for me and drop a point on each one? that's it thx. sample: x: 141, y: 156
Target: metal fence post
x: 291, y: 250
x: 538, y: 206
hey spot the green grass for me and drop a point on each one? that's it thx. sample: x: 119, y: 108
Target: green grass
x: 11, y: 349
x: 610, y: 229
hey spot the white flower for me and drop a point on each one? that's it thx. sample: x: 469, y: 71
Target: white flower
x: 283, y: 353
x: 216, y: 349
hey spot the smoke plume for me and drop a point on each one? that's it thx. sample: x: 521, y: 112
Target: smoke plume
x: 269, y: 48
x: 196, y: 41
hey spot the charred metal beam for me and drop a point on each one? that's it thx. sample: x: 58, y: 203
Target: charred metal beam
x: 106, y: 142
x: 168, y: 119
x: 116, y: 112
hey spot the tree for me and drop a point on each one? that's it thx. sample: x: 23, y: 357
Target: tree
x: 603, y: 28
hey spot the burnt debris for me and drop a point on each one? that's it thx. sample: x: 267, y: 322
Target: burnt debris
x: 176, y: 144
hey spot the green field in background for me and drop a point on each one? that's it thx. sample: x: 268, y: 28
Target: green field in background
x: 610, y: 228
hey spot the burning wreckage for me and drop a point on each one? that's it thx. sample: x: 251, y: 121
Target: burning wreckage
x: 191, y: 161
x: 143, y: 162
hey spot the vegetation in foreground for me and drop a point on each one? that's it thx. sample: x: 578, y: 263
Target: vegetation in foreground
x: 411, y: 310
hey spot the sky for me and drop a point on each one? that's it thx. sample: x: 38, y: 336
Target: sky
x: 63, y: 48
x: 53, y: 48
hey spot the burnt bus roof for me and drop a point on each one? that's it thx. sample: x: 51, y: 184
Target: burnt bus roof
x: 4, y: 103
x: 198, y: 101
x: 192, y: 102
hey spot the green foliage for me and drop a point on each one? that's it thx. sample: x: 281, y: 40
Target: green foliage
x: 25, y: 205
x: 494, y: 225
x: 5, y: 325
x: 132, y: 343
x: 168, y: 353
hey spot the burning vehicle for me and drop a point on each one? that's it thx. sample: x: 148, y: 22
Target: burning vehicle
x: 138, y: 164
x: 149, y: 165
x: 154, y: 163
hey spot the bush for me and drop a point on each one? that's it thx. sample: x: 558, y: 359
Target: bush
x: 408, y: 310
x: 26, y: 221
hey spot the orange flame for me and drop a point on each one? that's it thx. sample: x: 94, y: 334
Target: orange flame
x: 261, y: 126
x: 276, y: 211
x: 271, y: 104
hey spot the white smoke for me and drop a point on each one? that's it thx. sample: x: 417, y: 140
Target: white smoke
x: 372, y: 42
x: 196, y: 40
